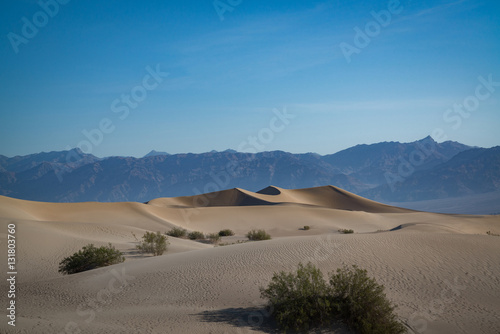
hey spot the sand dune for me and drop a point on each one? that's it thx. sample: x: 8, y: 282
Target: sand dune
x: 442, y: 270
x: 327, y: 197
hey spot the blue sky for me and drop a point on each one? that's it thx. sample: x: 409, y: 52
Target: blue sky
x: 226, y: 78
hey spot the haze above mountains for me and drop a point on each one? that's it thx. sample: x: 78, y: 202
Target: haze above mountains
x: 388, y: 172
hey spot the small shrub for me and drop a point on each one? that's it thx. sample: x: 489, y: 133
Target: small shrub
x: 303, y: 300
x: 298, y: 301
x: 493, y: 234
x: 362, y: 303
x: 177, y: 232
x: 226, y: 233
x: 155, y: 243
x: 196, y: 235
x: 346, y: 231
x: 233, y: 243
x: 214, y: 237
x: 256, y: 235
x: 90, y: 257
x: 307, y: 227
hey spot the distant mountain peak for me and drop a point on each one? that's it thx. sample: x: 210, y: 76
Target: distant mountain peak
x: 77, y: 150
x: 428, y: 138
x: 154, y: 153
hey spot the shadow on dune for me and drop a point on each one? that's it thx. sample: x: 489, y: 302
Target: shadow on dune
x: 254, y: 318
x: 269, y: 191
x: 134, y: 253
x: 257, y: 319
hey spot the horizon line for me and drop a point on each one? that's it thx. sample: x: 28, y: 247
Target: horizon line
x: 80, y: 152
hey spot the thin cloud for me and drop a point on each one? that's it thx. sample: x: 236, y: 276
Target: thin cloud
x: 439, y: 7
x: 430, y: 11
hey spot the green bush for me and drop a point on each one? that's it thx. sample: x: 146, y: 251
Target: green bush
x: 255, y: 235
x: 90, y: 257
x: 177, y: 232
x: 214, y: 237
x: 155, y: 243
x: 226, y: 233
x: 303, y: 300
x: 196, y: 235
x: 362, y: 303
x: 307, y: 227
x: 346, y: 231
x: 298, y: 301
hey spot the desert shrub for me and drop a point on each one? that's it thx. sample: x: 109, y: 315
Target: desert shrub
x: 493, y: 234
x: 196, y: 235
x: 346, y: 231
x: 155, y: 243
x: 256, y: 235
x: 307, y: 227
x: 226, y: 233
x: 303, y: 300
x: 214, y: 237
x: 233, y: 243
x: 177, y: 232
x: 90, y: 257
x: 299, y: 301
x: 362, y: 303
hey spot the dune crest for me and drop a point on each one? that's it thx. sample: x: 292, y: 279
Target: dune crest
x: 326, y: 197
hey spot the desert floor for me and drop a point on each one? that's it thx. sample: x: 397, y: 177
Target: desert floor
x: 443, y: 271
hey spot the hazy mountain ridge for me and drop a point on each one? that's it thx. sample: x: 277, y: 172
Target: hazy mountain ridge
x: 60, y: 177
x: 72, y: 158
x: 475, y: 171
x: 369, y: 163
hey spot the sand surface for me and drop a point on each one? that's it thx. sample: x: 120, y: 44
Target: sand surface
x: 442, y: 270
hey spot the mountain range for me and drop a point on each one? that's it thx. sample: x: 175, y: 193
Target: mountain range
x: 386, y: 172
